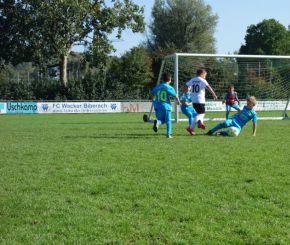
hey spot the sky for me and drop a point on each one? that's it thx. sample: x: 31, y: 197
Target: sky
x: 234, y: 18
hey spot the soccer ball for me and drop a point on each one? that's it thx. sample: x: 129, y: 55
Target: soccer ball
x: 233, y: 131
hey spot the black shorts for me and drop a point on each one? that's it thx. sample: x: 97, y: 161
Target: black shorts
x: 200, y: 108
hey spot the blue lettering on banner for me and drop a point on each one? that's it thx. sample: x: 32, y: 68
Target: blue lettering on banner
x: 114, y: 106
x: 95, y: 106
x: 45, y: 107
x: 56, y: 106
x: 71, y: 106
x: 22, y: 107
x: 78, y: 107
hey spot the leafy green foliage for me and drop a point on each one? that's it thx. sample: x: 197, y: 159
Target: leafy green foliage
x: 268, y: 37
x: 130, y: 76
x: 109, y: 179
x: 182, y: 25
x: 40, y: 31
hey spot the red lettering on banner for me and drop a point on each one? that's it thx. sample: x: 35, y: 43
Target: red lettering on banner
x: 131, y: 108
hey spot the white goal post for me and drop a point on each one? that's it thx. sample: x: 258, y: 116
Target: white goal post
x: 265, y: 76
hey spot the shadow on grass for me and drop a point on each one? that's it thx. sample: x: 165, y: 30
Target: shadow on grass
x: 127, y: 136
x: 116, y: 136
x: 97, y: 123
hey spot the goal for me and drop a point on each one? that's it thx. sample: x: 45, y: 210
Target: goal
x: 265, y: 77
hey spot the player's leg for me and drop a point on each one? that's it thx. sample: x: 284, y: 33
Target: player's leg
x: 189, y: 112
x: 236, y: 107
x: 168, y: 124
x: 186, y: 112
x: 192, y: 120
x: 200, y: 109
x: 228, y: 109
x: 190, y: 128
x: 159, y: 115
x: 200, y: 123
x: 225, y: 124
x: 230, y: 131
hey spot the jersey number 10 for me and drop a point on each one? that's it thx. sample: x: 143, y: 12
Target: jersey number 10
x: 195, y: 88
x: 161, y: 95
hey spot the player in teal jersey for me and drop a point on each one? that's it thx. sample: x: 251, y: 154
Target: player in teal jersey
x: 239, y: 120
x: 187, y: 109
x: 162, y: 104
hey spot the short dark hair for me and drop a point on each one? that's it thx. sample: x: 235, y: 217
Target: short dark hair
x: 200, y: 71
x: 166, y: 76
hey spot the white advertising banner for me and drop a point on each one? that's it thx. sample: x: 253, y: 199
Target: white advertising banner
x: 209, y: 106
x: 261, y: 106
x: 112, y: 107
x: 78, y: 107
x: 271, y: 105
x: 215, y: 106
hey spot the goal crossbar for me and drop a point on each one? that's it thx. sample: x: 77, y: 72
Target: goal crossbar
x: 228, y: 56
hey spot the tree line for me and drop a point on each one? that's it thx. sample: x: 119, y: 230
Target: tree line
x: 40, y: 35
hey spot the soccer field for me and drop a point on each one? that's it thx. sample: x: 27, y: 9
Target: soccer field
x: 108, y: 178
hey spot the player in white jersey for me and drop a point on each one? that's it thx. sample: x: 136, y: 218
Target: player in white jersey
x: 198, y: 85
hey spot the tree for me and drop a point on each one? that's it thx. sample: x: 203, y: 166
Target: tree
x: 180, y: 26
x: 41, y: 31
x: 129, y: 77
x: 268, y: 37
x: 183, y: 25
x: 137, y: 74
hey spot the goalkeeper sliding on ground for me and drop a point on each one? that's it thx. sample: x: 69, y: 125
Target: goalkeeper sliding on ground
x: 238, y: 121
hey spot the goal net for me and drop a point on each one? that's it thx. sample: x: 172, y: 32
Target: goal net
x: 265, y: 77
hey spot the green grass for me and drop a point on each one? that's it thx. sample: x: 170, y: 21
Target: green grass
x: 108, y: 178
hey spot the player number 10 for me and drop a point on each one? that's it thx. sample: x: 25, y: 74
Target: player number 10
x: 162, y: 95
x: 195, y: 88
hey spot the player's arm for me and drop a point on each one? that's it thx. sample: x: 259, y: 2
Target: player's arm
x: 185, y: 102
x: 254, y: 124
x: 171, y: 92
x: 254, y: 128
x: 212, y: 92
x: 153, y: 94
x: 225, y: 98
x: 182, y: 99
x: 177, y: 99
